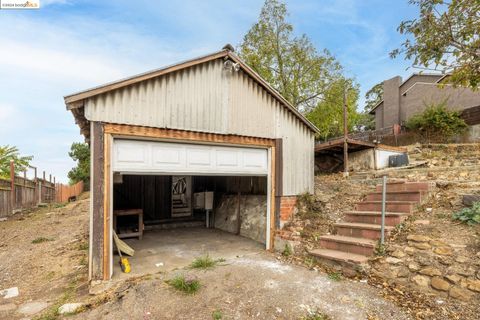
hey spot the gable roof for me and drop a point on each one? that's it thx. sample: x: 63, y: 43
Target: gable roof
x: 75, y: 101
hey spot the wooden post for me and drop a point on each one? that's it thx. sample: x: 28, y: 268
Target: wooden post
x: 36, y: 183
x: 12, y: 184
x: 345, y: 133
x: 239, y: 217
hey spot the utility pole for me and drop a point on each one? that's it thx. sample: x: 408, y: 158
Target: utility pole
x: 345, y: 133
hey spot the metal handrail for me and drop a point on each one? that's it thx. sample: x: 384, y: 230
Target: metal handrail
x: 384, y: 196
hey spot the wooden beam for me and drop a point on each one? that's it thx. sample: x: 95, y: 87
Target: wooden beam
x: 278, y: 179
x: 97, y: 198
x: 158, y: 133
x: 272, y: 197
x: 107, y: 140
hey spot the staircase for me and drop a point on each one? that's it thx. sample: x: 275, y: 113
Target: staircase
x: 356, y: 237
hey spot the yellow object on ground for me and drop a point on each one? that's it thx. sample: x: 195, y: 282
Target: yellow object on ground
x: 122, y: 246
x: 125, y: 265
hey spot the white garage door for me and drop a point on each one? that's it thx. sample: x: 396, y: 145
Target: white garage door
x: 163, y: 157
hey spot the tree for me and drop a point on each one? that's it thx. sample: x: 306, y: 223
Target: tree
x: 80, y: 153
x: 445, y: 38
x: 328, y: 115
x: 9, y: 153
x: 373, y: 97
x: 290, y: 64
x: 437, y: 123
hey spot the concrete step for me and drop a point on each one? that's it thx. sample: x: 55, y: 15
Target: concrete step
x: 406, y: 186
x: 361, y: 230
x: 375, y: 217
x: 415, y: 196
x: 360, y: 246
x: 390, y: 206
x: 339, y: 256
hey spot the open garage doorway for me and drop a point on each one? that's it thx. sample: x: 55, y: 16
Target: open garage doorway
x: 171, y: 219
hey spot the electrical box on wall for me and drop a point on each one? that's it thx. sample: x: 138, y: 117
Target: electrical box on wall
x: 203, y: 200
x: 208, y: 200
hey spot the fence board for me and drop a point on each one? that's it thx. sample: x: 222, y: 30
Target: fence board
x: 26, y: 194
x: 65, y: 192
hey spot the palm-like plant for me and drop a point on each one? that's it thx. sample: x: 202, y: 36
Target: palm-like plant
x: 8, y: 153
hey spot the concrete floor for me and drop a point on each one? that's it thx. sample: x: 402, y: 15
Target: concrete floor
x: 177, y: 248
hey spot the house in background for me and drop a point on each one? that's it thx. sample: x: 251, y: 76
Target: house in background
x: 403, y: 99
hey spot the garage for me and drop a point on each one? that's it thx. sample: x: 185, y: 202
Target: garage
x: 203, y: 154
x: 191, y: 196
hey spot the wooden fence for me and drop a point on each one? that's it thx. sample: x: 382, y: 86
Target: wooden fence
x: 18, y: 193
x: 24, y: 194
x: 65, y: 193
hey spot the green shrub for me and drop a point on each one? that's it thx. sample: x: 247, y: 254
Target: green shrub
x: 217, y: 315
x: 189, y: 285
x: 469, y: 215
x: 41, y: 239
x: 437, y: 123
x: 287, y: 251
x: 205, y: 262
x: 335, y: 276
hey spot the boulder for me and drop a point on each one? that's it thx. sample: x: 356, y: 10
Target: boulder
x: 474, y: 285
x: 440, y: 284
x: 413, y: 266
x: 430, y: 271
x: 460, y: 294
x: 392, y: 260
x: 69, y: 308
x: 410, y: 250
x: 418, y: 238
x: 420, y: 245
x: 397, y: 254
x: 453, y: 278
x: 444, y: 251
x: 438, y: 243
x: 421, y: 281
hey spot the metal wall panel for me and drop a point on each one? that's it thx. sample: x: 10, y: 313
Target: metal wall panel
x: 207, y: 98
x: 190, y: 99
x: 254, y: 112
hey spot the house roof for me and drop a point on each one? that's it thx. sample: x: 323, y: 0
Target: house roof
x: 75, y: 101
x: 442, y: 76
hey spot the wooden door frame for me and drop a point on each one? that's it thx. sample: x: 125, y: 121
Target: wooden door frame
x: 112, y: 131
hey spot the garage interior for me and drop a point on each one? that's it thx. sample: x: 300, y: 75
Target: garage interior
x: 187, y: 216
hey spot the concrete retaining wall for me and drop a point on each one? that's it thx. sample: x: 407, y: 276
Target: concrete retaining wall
x: 253, y: 211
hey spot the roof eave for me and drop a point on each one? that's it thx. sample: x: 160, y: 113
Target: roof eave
x: 76, y: 100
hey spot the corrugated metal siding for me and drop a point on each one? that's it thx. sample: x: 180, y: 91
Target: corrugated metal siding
x: 207, y: 98
x: 298, y: 154
x: 190, y: 99
x: 253, y: 112
x: 250, y: 108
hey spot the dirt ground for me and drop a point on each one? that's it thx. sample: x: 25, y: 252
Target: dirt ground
x: 256, y: 286
x: 44, y: 254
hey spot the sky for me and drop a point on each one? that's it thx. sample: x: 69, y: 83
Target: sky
x: 68, y: 46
